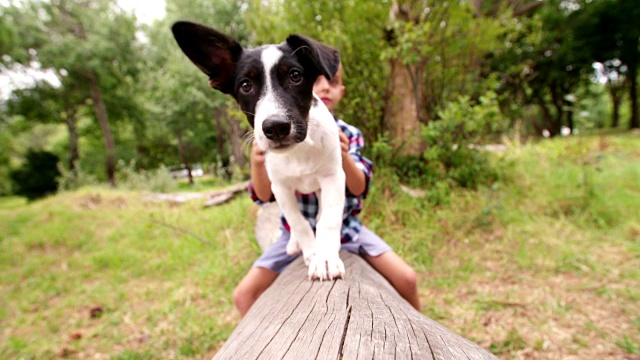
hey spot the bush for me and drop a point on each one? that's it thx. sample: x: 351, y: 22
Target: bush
x: 72, y: 180
x: 158, y: 180
x: 38, y: 175
x: 454, y: 156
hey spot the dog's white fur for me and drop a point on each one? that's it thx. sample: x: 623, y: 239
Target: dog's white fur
x: 314, y: 165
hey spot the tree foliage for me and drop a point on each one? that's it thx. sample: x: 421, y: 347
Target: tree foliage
x: 356, y: 28
x: 126, y: 92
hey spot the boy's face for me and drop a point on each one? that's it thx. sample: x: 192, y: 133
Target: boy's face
x: 330, y: 91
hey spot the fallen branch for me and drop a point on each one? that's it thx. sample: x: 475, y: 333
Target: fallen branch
x: 211, y: 198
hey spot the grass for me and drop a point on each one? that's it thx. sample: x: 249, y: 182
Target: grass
x: 162, y: 292
x: 544, y: 263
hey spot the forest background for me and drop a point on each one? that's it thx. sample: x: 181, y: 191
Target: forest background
x: 113, y: 90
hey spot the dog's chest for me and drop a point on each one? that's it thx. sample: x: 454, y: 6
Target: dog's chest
x: 299, y: 172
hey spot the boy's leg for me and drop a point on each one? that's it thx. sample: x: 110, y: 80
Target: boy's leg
x: 398, y: 273
x: 382, y: 258
x: 251, y: 287
x: 263, y: 273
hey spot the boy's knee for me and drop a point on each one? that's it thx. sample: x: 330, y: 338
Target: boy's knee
x: 241, y: 297
x: 409, y: 279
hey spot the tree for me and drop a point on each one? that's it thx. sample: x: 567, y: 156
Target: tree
x: 542, y: 66
x: 436, y: 53
x: 181, y: 100
x: 92, y: 43
x: 45, y: 103
x: 610, y: 31
x: 405, y: 109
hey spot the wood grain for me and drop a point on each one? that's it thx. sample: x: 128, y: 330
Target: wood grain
x: 360, y: 317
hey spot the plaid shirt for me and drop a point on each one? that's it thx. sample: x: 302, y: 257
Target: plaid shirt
x: 308, y: 203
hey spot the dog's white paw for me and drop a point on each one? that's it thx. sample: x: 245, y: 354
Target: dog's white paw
x: 326, y: 267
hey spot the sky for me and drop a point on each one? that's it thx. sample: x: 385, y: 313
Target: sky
x: 146, y: 11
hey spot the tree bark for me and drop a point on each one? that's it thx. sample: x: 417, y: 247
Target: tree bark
x: 547, y: 119
x: 401, y: 110
x: 218, y: 115
x: 633, y: 94
x: 103, y: 119
x: 404, y: 100
x: 74, y: 153
x: 616, y: 99
x: 236, y: 143
x: 183, y: 156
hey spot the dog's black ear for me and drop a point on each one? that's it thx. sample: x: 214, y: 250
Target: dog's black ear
x: 325, y: 58
x: 214, y: 53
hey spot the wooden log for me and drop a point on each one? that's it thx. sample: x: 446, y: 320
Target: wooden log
x: 360, y: 317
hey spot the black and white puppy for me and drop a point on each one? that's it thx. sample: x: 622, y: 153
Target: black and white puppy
x: 273, y: 84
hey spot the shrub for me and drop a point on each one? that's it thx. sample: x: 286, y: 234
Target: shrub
x: 131, y: 178
x: 38, y: 175
x: 454, y: 156
x: 72, y: 180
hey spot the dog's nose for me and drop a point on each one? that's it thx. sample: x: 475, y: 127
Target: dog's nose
x: 276, y: 129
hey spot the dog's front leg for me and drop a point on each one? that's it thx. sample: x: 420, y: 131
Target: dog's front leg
x: 326, y: 265
x: 302, y: 237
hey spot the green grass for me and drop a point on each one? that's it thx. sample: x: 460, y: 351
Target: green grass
x: 160, y: 289
x: 551, y: 246
x: 545, y: 262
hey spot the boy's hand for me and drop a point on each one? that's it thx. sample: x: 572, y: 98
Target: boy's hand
x: 344, y: 143
x: 257, y: 154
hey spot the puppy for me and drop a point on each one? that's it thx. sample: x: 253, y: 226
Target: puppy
x: 273, y: 85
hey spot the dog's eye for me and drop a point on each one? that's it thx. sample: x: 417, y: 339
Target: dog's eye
x: 245, y: 86
x: 295, y: 76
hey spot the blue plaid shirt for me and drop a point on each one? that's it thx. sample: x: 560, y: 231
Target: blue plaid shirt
x: 308, y: 203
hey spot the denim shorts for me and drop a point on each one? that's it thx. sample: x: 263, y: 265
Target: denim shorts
x: 275, y: 258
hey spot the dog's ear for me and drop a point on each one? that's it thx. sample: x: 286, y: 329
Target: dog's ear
x: 325, y: 58
x: 214, y: 53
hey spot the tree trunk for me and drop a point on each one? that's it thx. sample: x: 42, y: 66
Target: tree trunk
x: 633, y: 94
x: 183, y: 157
x: 570, y: 120
x: 616, y: 99
x: 103, y: 119
x: 74, y: 154
x: 218, y: 115
x: 236, y: 143
x: 547, y: 119
x: 404, y: 99
x: 401, y: 110
x: 558, y: 104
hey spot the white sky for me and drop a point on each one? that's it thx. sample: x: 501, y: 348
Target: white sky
x: 145, y: 10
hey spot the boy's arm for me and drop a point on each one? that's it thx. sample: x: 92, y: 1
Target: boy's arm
x: 356, y: 179
x: 260, y: 183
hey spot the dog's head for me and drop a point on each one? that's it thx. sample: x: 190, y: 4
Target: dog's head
x: 273, y: 84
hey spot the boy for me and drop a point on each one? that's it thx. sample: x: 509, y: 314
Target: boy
x: 356, y: 238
